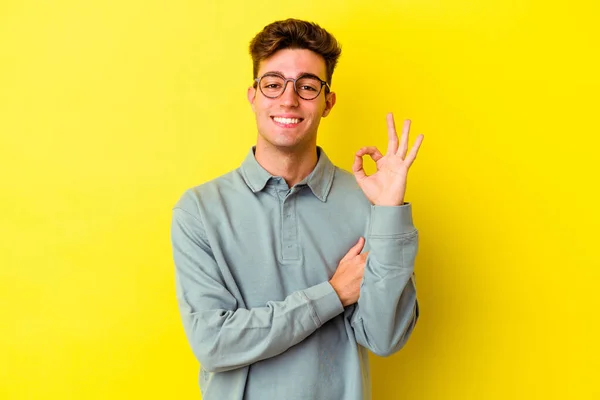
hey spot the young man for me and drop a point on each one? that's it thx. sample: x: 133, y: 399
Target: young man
x: 278, y: 295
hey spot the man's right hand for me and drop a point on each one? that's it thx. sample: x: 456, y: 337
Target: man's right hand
x: 349, y: 274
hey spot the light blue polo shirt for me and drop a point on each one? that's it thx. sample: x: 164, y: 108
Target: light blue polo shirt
x: 253, y: 259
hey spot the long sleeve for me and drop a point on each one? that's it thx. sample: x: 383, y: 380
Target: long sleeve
x: 387, y: 309
x: 222, y: 335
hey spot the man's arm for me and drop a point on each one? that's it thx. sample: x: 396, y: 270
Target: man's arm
x: 222, y: 335
x: 387, y: 309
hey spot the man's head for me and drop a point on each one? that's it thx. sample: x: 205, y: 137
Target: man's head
x: 295, y: 34
x: 292, y: 49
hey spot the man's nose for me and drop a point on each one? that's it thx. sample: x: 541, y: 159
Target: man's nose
x: 289, y: 97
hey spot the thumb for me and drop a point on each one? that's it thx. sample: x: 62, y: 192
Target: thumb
x: 355, y: 250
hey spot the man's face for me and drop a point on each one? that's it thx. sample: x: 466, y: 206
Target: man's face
x: 290, y: 122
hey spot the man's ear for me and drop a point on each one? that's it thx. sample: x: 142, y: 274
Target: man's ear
x: 329, y: 103
x: 251, y: 96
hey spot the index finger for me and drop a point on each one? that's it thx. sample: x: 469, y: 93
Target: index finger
x: 354, y: 250
x: 392, y: 135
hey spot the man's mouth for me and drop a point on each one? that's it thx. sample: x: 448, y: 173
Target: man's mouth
x: 286, y: 122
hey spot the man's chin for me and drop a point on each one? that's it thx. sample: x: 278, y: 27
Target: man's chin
x: 284, y: 144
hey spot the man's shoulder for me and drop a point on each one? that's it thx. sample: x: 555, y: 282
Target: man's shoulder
x: 345, y: 190
x: 344, y: 177
x: 345, y: 181
x: 212, y: 191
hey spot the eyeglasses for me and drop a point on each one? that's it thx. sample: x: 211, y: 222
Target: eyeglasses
x: 307, y: 86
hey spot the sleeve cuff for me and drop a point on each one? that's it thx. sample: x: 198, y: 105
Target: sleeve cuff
x: 391, y: 221
x: 324, y: 302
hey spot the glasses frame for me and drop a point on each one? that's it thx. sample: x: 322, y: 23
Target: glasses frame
x: 294, y: 80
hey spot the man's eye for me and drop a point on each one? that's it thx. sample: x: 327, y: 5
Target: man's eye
x: 309, y: 88
x: 272, y: 86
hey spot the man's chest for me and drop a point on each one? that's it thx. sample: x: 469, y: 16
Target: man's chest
x: 275, y: 245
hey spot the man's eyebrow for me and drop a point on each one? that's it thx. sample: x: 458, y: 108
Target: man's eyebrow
x: 297, y: 76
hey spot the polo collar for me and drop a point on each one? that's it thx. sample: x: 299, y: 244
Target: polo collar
x: 319, y: 180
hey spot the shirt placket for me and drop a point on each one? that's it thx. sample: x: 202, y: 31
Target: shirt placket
x: 289, y: 227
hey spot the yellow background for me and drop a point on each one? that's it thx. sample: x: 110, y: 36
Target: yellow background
x: 110, y: 110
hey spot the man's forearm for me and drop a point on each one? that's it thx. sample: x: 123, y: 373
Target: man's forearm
x: 387, y: 309
x: 383, y: 324
x: 223, y: 340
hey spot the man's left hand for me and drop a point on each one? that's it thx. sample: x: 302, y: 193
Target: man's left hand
x: 387, y: 186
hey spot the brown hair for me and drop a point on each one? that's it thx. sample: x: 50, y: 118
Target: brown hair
x: 295, y: 34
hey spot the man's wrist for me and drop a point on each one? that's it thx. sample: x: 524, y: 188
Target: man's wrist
x: 389, y: 201
x: 339, y: 293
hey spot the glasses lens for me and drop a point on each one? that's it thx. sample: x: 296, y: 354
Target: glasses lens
x: 308, y: 88
x: 271, y: 85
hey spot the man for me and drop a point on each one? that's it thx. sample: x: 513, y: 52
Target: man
x: 278, y: 298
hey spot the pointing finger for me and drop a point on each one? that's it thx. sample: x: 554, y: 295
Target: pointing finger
x: 372, y: 151
x: 355, y: 250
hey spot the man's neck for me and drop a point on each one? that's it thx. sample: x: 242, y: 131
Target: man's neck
x: 293, y: 166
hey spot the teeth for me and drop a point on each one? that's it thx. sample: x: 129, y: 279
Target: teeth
x: 287, y: 120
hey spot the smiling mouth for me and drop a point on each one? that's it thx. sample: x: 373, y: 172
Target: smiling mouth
x: 286, y: 121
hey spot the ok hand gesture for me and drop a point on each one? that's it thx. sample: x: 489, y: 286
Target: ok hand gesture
x: 387, y: 186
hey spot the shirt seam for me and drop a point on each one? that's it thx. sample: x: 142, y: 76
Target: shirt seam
x: 313, y: 314
x: 198, y: 220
